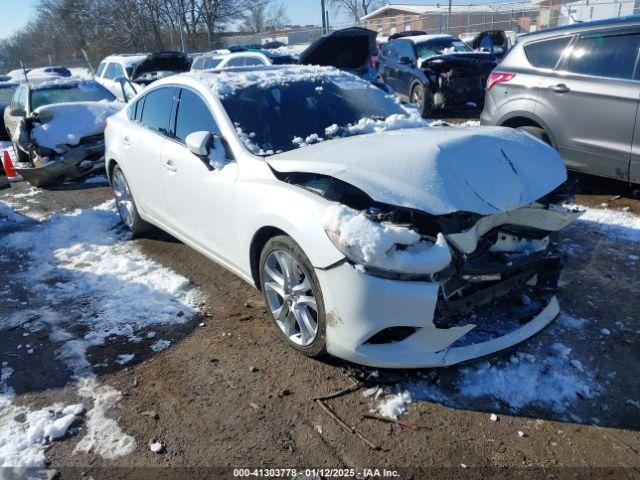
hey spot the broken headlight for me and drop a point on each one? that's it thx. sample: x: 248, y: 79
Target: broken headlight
x: 385, y: 249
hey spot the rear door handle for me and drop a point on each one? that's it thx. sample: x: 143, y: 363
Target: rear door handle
x: 169, y: 165
x: 560, y: 88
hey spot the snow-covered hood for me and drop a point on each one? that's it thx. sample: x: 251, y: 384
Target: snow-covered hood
x: 68, y: 123
x: 438, y: 170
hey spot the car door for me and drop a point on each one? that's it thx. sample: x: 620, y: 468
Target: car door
x: 142, y: 146
x: 591, y: 102
x: 407, y: 66
x: 388, y: 64
x: 16, y: 110
x: 199, y: 199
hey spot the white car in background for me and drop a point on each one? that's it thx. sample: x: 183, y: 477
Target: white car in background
x: 211, y: 61
x: 128, y: 73
x: 373, y: 236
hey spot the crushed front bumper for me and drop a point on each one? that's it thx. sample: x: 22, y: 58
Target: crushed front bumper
x: 73, y: 165
x: 359, y: 306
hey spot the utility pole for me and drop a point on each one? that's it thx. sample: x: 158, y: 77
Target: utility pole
x: 449, y: 18
x: 324, y: 19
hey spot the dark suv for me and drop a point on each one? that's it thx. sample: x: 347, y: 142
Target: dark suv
x: 436, y: 72
x: 577, y: 88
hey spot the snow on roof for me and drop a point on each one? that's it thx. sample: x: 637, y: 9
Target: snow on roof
x: 55, y: 81
x: 225, y: 83
x: 127, y: 59
x: 426, y: 38
x: 426, y: 9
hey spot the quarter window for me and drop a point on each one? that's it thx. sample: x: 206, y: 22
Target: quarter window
x: 100, y: 70
x: 193, y: 116
x: 546, y: 54
x: 156, y: 114
x: 612, y: 56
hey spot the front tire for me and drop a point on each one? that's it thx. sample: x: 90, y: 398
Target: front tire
x: 293, y: 295
x: 423, y: 98
x: 126, y: 205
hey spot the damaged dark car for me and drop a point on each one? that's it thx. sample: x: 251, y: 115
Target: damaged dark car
x: 57, y: 129
x: 438, y: 73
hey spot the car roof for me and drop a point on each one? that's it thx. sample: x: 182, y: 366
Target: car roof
x: 127, y: 58
x: 425, y: 38
x: 582, y: 26
x: 233, y: 54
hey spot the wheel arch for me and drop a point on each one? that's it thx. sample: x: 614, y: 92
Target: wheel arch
x: 259, y: 240
x: 526, y: 119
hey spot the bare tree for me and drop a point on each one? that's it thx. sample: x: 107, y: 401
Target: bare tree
x: 262, y: 15
x: 356, y: 9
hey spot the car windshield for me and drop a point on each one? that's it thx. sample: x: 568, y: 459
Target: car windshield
x: 286, y: 116
x: 6, y: 93
x: 441, y: 46
x: 72, y: 92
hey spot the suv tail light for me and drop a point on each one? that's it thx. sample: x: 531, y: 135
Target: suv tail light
x: 498, y: 77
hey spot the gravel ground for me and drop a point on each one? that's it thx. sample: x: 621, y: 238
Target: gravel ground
x: 228, y: 393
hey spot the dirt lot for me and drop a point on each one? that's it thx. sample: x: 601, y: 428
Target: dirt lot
x: 228, y: 394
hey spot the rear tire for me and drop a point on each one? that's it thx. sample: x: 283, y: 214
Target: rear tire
x: 126, y: 205
x: 423, y: 98
x: 538, y: 133
x: 293, y: 296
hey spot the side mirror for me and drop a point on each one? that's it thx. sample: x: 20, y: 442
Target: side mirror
x: 201, y: 144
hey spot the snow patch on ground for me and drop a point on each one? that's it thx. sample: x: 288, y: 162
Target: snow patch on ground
x: 611, y: 222
x: 537, y: 376
x: 89, y: 284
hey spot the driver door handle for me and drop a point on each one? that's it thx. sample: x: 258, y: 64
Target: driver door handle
x: 169, y: 165
x: 126, y: 141
x: 560, y: 88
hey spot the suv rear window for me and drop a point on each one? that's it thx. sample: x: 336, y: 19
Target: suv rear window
x: 545, y: 54
x: 611, y: 56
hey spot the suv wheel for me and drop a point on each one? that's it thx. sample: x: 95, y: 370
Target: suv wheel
x: 423, y: 98
x: 293, y: 295
x: 538, y: 133
x: 126, y: 205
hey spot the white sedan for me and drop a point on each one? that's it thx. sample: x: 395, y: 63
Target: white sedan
x: 374, y: 236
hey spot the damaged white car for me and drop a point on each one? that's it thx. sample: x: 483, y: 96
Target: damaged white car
x: 374, y: 236
x: 57, y: 129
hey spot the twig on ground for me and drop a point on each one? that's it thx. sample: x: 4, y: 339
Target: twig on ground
x: 396, y: 422
x: 347, y: 427
x: 351, y: 388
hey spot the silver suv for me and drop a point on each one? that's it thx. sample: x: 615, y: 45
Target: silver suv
x: 578, y: 88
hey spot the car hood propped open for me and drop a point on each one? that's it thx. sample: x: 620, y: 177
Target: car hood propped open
x: 438, y: 170
x: 348, y: 49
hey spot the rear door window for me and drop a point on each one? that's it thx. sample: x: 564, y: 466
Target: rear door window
x: 545, y: 54
x: 193, y: 116
x: 100, y: 70
x: 156, y: 114
x: 611, y: 56
x: 236, y: 62
x: 253, y: 61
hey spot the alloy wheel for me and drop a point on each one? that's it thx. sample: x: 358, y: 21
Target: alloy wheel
x: 290, y: 297
x: 123, y: 197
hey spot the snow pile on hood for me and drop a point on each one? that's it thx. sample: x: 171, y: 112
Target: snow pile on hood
x: 226, y: 82
x: 67, y: 123
x: 382, y: 245
x: 412, y: 119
